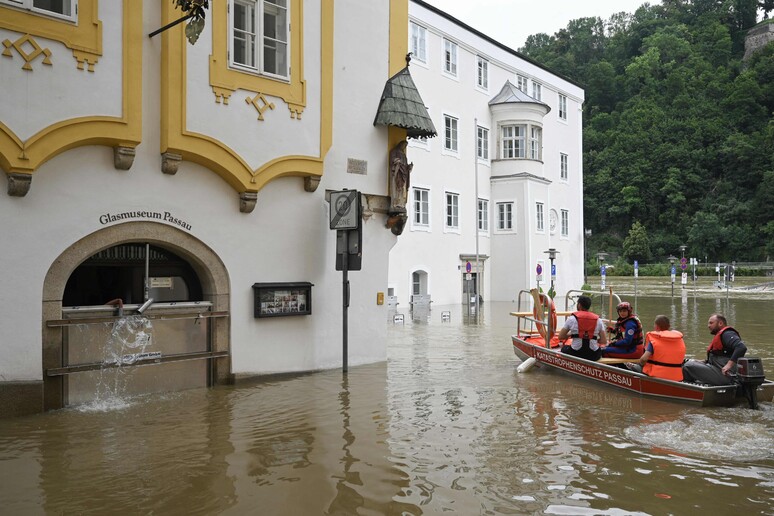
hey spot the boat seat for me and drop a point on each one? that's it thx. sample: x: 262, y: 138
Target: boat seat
x: 608, y: 360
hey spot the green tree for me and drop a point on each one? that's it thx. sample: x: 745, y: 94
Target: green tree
x: 636, y: 246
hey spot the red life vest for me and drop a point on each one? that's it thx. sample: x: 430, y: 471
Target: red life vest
x: 587, y: 326
x: 668, y: 355
x: 716, y: 346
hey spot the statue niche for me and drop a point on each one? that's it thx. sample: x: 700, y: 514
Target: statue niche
x: 400, y: 178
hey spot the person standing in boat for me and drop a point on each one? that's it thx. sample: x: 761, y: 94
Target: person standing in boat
x: 587, y: 332
x: 664, y: 352
x: 628, y: 335
x: 726, y: 348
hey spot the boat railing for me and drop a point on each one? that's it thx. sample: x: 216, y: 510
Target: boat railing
x: 534, y: 310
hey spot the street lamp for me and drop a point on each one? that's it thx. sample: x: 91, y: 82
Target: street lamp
x: 586, y: 235
x: 672, y: 260
x: 551, y: 256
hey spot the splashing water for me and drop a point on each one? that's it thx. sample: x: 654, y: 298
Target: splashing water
x: 129, y: 337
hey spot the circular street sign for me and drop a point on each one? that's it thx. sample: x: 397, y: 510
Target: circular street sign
x: 683, y: 266
x: 539, y: 269
x: 683, y: 260
x: 468, y: 267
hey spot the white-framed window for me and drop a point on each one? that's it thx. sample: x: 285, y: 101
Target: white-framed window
x: 450, y: 57
x: 537, y: 91
x: 521, y: 83
x: 540, y: 218
x: 535, y: 142
x: 513, y: 143
x: 562, y: 107
x: 482, y: 143
x: 563, y: 160
x: 451, y: 125
x: 505, y: 216
x: 65, y: 9
x: 482, y: 73
x: 565, y: 224
x: 483, y: 215
x: 452, y: 210
x: 420, y: 198
x: 418, y: 42
x: 260, y: 32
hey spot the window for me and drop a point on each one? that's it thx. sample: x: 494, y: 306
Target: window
x: 521, y: 83
x: 537, y: 91
x: 565, y: 223
x: 483, y: 215
x: 539, y: 212
x: 418, y: 43
x: 60, y: 8
x: 563, y: 106
x: 416, y: 283
x: 563, y: 166
x: 452, y: 210
x: 482, y: 73
x: 482, y: 143
x: 505, y: 216
x: 450, y: 57
x: 535, y: 134
x: 259, y: 40
x: 513, y: 142
x: 421, y: 207
x: 450, y: 133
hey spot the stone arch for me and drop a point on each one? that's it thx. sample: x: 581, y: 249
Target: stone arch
x: 205, y: 262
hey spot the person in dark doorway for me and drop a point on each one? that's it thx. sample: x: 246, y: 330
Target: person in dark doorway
x: 628, y: 335
x: 587, y: 332
x: 664, y: 352
x: 726, y: 348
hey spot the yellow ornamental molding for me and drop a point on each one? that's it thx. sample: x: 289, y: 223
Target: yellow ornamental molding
x: 83, y: 38
x: 215, y: 155
x: 28, y: 57
x: 260, y: 104
x: 21, y: 158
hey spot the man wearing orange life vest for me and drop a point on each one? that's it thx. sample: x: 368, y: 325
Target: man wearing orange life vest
x: 587, y: 332
x: 726, y: 348
x: 664, y: 351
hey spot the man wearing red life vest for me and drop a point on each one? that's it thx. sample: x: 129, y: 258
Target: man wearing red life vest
x: 726, y: 348
x: 664, y: 351
x: 587, y: 332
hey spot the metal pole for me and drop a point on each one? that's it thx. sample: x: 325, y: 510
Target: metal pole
x: 475, y: 165
x: 345, y: 299
x: 146, y: 291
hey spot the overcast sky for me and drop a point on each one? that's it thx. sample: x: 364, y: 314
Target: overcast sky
x: 511, y: 21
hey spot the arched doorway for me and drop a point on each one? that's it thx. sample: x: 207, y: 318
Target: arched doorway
x: 130, y: 262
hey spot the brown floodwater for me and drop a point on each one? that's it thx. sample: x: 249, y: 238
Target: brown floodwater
x: 445, y: 425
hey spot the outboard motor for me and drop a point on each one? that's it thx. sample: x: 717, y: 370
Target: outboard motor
x: 749, y: 375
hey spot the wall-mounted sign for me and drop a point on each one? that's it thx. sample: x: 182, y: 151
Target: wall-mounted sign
x: 282, y: 299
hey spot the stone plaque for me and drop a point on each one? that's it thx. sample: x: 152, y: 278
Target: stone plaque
x: 357, y: 166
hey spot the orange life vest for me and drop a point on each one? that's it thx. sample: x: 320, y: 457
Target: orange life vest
x: 587, y: 326
x: 716, y: 346
x: 668, y: 355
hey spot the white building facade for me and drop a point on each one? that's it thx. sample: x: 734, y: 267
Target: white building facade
x: 502, y: 182
x: 196, y: 175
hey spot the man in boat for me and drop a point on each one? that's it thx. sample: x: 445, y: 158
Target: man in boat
x: 664, y: 352
x: 726, y: 348
x: 628, y: 335
x: 587, y: 332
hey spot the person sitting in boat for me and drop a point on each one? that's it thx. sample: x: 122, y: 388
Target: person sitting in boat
x: 587, y: 332
x: 664, y: 352
x: 628, y: 335
x: 726, y: 348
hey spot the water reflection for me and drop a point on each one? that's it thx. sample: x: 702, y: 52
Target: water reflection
x: 446, y: 425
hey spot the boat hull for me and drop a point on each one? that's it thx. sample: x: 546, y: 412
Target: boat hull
x: 637, y: 383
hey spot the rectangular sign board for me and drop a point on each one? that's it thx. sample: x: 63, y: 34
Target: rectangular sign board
x: 345, y: 209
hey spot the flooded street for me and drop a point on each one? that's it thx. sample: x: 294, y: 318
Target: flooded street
x: 445, y: 425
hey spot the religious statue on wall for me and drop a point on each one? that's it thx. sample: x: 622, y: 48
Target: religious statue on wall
x: 400, y: 177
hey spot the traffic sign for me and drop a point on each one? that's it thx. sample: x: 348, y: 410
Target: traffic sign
x: 603, y: 270
x: 553, y: 271
x: 539, y: 269
x: 468, y: 267
x: 345, y: 210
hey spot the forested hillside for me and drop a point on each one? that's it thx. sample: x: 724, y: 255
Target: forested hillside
x: 678, y: 130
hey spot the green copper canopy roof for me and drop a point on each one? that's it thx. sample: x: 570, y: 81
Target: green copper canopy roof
x: 401, y: 106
